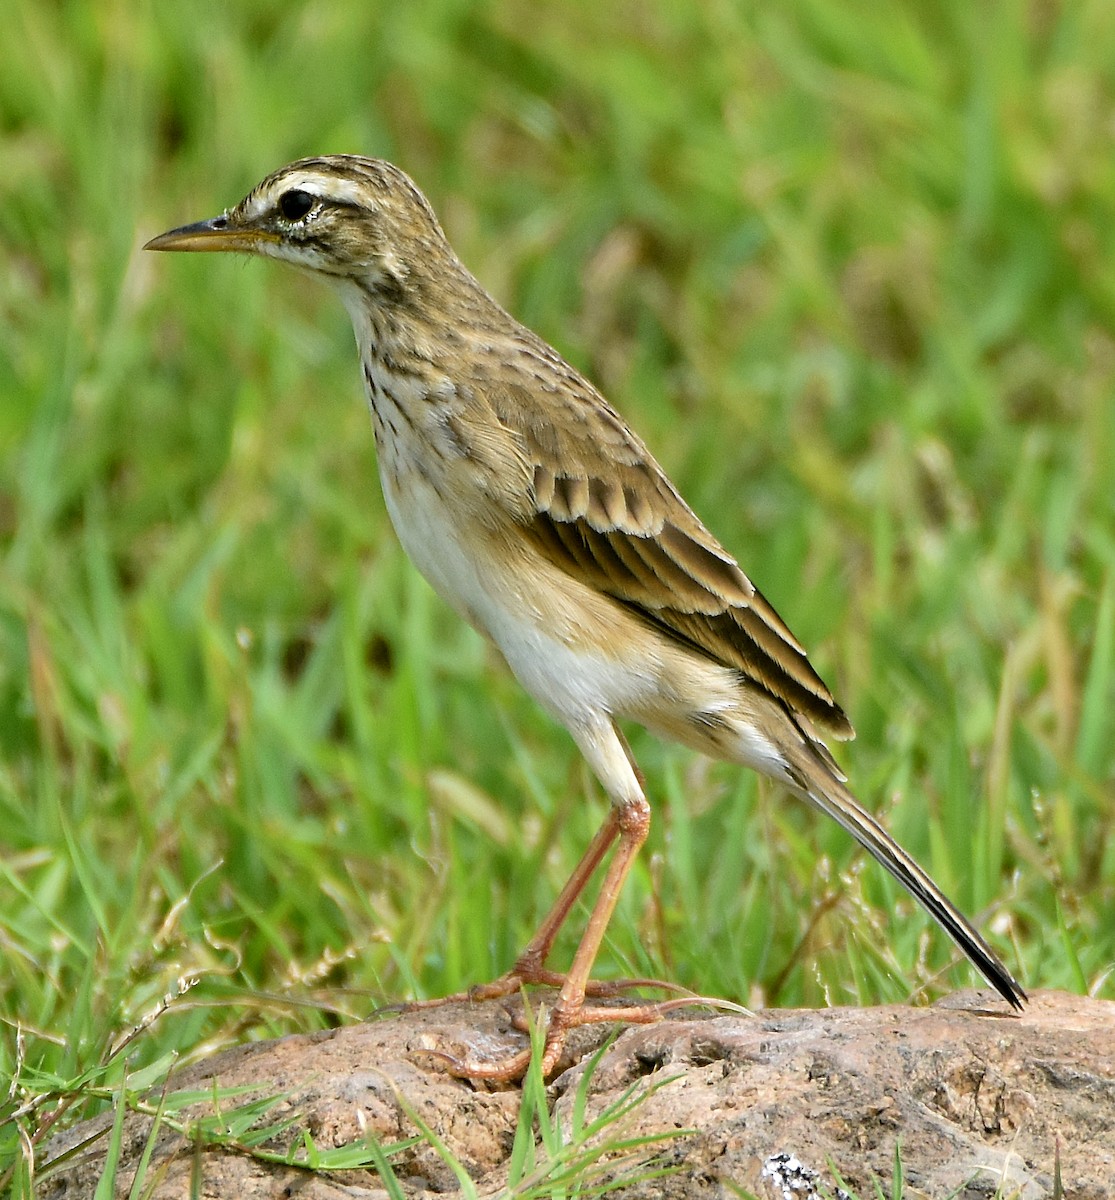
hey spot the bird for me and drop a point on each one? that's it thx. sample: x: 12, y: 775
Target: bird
x: 538, y: 515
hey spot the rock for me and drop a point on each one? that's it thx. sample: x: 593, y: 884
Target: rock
x: 977, y: 1098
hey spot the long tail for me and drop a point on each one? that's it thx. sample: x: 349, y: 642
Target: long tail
x: 830, y: 796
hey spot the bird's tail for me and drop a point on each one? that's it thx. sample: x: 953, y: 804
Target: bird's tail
x: 816, y: 785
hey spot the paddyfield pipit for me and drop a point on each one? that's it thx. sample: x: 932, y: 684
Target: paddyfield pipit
x: 538, y: 515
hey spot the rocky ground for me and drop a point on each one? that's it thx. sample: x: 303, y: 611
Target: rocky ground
x: 979, y: 1100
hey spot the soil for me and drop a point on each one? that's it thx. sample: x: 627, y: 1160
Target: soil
x: 977, y: 1098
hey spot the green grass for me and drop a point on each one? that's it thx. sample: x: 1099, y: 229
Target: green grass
x: 848, y: 269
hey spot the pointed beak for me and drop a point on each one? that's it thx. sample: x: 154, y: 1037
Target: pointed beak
x: 218, y: 233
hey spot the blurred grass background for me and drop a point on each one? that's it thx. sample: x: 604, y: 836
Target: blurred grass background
x: 847, y: 267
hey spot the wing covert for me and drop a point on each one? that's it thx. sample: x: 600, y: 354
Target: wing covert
x: 605, y: 512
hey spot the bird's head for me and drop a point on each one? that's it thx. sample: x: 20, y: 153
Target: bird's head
x: 339, y: 216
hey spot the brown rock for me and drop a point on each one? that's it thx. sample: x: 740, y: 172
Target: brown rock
x: 977, y: 1098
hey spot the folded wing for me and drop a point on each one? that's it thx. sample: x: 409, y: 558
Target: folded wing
x: 605, y: 512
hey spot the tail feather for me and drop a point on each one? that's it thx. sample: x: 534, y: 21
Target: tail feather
x: 831, y: 797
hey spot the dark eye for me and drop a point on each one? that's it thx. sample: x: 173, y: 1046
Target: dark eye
x: 295, y: 204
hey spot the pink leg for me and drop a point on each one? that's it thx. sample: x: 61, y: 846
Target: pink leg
x: 529, y: 965
x: 630, y: 821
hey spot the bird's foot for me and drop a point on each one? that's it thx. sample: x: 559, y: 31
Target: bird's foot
x: 529, y: 974
x: 561, y: 1022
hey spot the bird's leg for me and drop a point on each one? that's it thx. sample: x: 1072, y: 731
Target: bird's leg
x: 629, y: 821
x: 530, y: 965
x: 633, y: 821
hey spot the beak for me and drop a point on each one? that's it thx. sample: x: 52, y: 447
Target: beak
x: 218, y: 233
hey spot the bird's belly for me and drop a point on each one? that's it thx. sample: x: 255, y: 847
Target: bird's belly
x: 544, y: 639
x: 574, y: 651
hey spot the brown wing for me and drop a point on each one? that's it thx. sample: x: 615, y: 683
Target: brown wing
x: 605, y: 512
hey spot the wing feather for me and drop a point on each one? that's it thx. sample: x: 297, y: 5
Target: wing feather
x: 604, y: 511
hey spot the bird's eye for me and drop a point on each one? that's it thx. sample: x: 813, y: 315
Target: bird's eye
x: 295, y: 204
